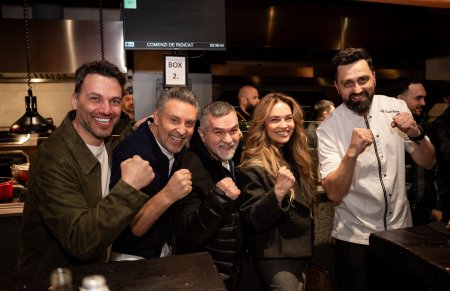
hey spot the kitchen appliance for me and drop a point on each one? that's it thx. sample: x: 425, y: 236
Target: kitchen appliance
x: 17, y: 149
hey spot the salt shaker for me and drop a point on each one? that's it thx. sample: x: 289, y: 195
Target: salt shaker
x: 61, y: 280
x: 94, y: 283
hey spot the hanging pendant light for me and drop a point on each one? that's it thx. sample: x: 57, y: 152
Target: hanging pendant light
x: 31, y: 121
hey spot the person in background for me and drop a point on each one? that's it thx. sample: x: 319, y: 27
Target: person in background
x: 362, y: 165
x: 322, y: 109
x: 421, y: 185
x: 277, y: 184
x: 70, y: 216
x: 248, y: 98
x: 208, y: 218
x: 446, y: 98
x: 127, y: 113
x: 128, y: 102
x: 441, y: 130
x: 160, y: 143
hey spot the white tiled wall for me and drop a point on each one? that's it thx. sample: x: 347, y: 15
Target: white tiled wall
x: 53, y: 100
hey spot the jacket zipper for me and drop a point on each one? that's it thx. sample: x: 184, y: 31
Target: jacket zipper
x: 380, y: 175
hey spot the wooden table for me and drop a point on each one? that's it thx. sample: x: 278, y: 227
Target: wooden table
x: 181, y: 272
x: 13, y: 208
x: 422, y: 252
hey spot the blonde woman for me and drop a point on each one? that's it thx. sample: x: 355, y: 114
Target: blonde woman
x: 277, y: 183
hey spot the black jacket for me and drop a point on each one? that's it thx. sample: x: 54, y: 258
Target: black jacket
x: 422, y: 186
x: 206, y: 219
x: 276, y: 232
x: 441, y: 129
x: 142, y: 142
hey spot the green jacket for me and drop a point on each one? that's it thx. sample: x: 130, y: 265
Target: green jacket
x: 65, y: 220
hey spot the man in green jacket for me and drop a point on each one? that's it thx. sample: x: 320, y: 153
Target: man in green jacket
x: 70, y: 217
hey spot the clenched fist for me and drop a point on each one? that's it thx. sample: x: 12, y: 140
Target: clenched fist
x: 361, y: 139
x: 228, y: 186
x: 137, y: 172
x: 283, y: 182
x: 179, y: 185
x: 405, y: 122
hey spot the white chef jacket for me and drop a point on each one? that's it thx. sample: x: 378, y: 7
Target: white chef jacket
x: 362, y: 211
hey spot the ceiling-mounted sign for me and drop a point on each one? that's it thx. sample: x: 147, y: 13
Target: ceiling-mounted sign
x: 129, y: 4
x: 175, y: 70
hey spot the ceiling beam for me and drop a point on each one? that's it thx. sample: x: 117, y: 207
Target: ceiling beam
x: 423, y: 3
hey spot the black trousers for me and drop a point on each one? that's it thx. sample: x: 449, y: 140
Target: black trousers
x: 350, y: 266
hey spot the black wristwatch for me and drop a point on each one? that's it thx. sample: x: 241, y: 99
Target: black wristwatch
x: 418, y: 138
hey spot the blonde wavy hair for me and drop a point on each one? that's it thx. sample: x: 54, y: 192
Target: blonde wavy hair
x: 261, y: 151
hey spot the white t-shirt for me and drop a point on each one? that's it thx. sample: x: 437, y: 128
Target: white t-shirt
x: 362, y: 211
x: 102, y: 156
x: 168, y: 155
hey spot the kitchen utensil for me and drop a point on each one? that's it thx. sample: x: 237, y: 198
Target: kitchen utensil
x: 20, y: 173
x: 6, y: 189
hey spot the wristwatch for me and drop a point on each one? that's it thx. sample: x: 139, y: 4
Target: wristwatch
x: 418, y: 138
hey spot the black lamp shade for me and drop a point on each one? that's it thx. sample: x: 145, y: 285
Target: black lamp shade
x: 31, y: 121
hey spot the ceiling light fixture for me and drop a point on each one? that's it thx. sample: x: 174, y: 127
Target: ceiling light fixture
x: 31, y: 121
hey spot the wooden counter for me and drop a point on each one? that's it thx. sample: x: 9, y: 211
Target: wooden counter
x: 422, y: 252
x: 182, y: 272
x: 14, y: 208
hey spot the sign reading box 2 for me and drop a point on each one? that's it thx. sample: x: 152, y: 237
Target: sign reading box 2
x: 175, y: 70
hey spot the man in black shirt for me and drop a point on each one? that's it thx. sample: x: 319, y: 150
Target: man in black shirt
x: 421, y: 185
x: 248, y: 98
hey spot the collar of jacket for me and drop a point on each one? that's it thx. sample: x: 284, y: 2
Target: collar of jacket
x: 201, y: 150
x: 85, y: 158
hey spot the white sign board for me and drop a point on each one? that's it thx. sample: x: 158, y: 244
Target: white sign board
x: 175, y: 70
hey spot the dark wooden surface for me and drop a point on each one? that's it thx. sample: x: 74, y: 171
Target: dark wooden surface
x: 181, y: 272
x: 423, y: 252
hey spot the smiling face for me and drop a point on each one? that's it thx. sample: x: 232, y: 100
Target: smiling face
x: 221, y: 136
x: 98, y: 108
x: 414, y: 98
x: 280, y: 124
x: 356, y: 85
x: 174, y: 125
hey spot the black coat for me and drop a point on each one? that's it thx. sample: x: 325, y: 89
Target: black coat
x: 417, y: 178
x: 206, y: 219
x: 441, y: 128
x: 275, y: 232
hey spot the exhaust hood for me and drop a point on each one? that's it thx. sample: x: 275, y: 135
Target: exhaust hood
x: 58, y: 47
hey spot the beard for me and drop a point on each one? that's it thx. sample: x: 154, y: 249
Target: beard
x: 250, y: 108
x: 224, y: 153
x: 360, y: 107
x: 97, y: 133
